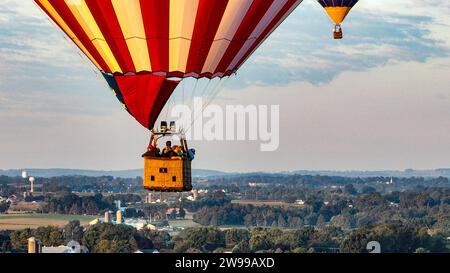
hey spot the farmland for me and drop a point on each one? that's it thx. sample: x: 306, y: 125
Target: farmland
x: 22, y: 221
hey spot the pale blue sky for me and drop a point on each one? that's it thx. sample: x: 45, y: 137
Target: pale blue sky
x: 379, y: 99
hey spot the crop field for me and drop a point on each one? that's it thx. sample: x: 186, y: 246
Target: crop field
x: 186, y: 223
x: 22, y: 221
x: 263, y: 203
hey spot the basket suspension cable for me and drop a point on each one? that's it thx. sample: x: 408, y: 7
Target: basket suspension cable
x: 217, y: 89
x: 206, y: 88
x: 220, y: 85
x: 183, y: 98
x: 183, y: 91
x: 194, y: 90
x: 197, y: 116
x: 172, y: 103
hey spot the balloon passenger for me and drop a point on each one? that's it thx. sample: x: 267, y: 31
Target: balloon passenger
x: 191, y: 154
x: 168, y: 151
x: 178, y: 150
x: 152, y: 149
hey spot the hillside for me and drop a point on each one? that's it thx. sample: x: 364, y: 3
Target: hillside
x: 199, y: 173
x: 95, y: 173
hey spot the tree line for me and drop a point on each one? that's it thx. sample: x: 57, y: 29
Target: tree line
x: 427, y: 208
x: 69, y: 203
x: 109, y: 238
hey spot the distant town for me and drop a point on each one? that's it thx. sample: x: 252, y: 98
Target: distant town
x: 239, y: 213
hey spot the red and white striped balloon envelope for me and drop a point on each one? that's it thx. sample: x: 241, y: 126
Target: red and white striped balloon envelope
x: 144, y: 48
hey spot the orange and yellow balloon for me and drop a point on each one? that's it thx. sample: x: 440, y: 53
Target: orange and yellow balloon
x: 337, y: 10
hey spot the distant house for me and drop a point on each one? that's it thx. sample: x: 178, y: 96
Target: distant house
x: 55, y: 250
x: 35, y: 246
x: 94, y: 222
x: 395, y: 205
x: 148, y: 251
x: 151, y: 227
x: 172, y: 213
x: 190, y: 198
x: 139, y: 224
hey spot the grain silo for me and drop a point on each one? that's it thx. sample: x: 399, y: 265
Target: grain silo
x: 31, y: 245
x: 119, y: 219
x: 107, y: 217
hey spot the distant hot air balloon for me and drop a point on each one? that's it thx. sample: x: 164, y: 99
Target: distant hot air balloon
x: 338, y: 10
x: 145, y: 48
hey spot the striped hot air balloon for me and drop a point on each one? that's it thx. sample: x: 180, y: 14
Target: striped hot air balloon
x: 337, y: 10
x: 144, y: 48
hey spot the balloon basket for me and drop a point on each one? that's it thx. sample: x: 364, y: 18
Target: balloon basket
x: 167, y: 174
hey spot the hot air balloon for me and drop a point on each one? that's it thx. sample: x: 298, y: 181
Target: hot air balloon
x: 146, y: 48
x: 337, y: 10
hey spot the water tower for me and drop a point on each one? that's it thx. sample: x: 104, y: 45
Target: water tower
x: 24, y: 177
x: 32, y: 184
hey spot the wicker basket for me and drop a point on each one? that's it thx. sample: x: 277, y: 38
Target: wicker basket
x: 167, y: 174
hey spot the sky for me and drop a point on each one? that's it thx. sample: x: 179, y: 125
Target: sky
x: 377, y: 100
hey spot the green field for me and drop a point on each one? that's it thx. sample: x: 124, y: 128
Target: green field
x: 22, y: 221
x: 183, y: 223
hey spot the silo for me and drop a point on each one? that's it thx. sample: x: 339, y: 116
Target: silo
x: 107, y: 217
x: 39, y: 246
x: 32, y: 245
x: 119, y: 217
x: 195, y: 194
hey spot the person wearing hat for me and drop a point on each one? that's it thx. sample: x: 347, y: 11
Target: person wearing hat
x: 152, y: 151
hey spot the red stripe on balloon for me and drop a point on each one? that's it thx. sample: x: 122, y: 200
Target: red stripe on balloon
x: 64, y: 11
x: 140, y: 93
x: 51, y: 17
x: 209, y: 16
x: 254, y: 15
x: 284, y: 12
x: 105, y: 16
x: 155, y: 14
x: 164, y: 94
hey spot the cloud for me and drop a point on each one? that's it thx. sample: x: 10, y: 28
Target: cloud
x: 302, y: 48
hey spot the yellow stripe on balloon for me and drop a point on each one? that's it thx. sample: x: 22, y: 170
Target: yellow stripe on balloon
x: 130, y: 19
x: 54, y: 14
x: 84, y: 17
x: 231, y: 20
x: 182, y: 22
